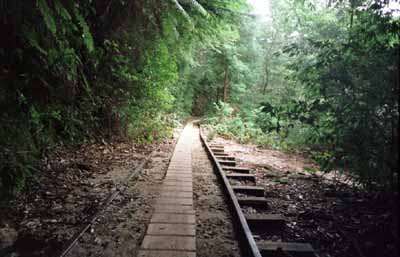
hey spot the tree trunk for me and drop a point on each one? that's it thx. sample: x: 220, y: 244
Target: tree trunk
x: 394, y: 155
x: 352, y: 6
x: 351, y: 18
x: 266, y: 80
x: 226, y: 84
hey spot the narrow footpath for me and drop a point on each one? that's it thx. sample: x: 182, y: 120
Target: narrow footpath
x: 172, y: 228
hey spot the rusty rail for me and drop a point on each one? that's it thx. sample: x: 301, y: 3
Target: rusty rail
x: 238, y: 213
x: 118, y: 189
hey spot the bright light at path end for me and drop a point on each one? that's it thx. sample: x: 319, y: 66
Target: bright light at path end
x: 261, y: 8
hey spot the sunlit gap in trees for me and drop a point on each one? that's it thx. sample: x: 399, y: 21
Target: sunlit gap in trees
x: 262, y: 9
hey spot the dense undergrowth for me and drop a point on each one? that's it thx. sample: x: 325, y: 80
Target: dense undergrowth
x: 326, y: 82
x: 75, y: 70
x: 317, y: 76
x: 248, y: 129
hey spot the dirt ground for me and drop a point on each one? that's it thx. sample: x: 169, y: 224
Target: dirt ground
x: 337, y: 219
x: 71, y: 187
x: 214, y: 233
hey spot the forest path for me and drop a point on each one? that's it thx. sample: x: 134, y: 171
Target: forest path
x: 73, y: 184
x: 191, y: 216
x: 176, y: 183
x: 172, y: 228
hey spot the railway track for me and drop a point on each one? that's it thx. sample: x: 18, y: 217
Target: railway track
x: 119, y: 189
x: 176, y: 199
x: 244, y: 195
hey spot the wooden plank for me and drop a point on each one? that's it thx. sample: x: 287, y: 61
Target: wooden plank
x: 269, y: 248
x: 221, y: 154
x: 237, y: 169
x: 227, y: 163
x: 250, y: 190
x: 242, y: 176
x: 226, y: 158
x: 217, y: 150
x: 253, y: 201
x: 216, y: 145
x: 257, y: 220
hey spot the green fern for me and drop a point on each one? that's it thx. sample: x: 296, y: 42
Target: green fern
x: 47, y: 16
x: 86, y: 84
x: 86, y: 35
x: 62, y: 11
x: 182, y: 10
x: 195, y: 5
x: 32, y: 37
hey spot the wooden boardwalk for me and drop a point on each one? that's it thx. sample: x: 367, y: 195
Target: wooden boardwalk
x: 172, y: 228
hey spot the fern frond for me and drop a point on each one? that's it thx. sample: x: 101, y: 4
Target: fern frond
x: 32, y: 37
x: 86, y: 35
x: 182, y: 10
x: 47, y: 16
x: 62, y: 11
x: 195, y: 5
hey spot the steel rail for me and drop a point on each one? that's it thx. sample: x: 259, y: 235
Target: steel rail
x: 118, y: 189
x: 249, y: 240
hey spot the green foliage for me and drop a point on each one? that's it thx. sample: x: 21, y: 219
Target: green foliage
x: 77, y: 69
x: 149, y: 127
x: 353, y: 77
x: 324, y: 81
x: 86, y: 35
x: 18, y: 157
x: 48, y: 16
x: 227, y: 124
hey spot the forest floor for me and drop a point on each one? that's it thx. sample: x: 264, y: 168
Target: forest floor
x: 70, y: 187
x: 338, y: 219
